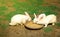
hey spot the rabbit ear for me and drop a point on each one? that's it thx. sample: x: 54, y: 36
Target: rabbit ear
x: 26, y: 14
x: 41, y: 16
x: 35, y: 15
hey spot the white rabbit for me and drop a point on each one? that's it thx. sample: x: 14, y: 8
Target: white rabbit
x: 49, y: 19
x: 35, y: 19
x: 20, y: 19
x: 40, y: 17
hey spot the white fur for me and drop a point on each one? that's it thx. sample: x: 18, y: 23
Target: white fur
x: 49, y: 19
x: 35, y: 19
x: 40, y: 17
x: 20, y: 19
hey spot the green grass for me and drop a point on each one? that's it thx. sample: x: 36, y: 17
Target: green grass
x: 2, y: 9
x: 30, y: 7
x: 48, y: 29
x: 50, y: 12
x: 3, y: 26
x: 2, y: 13
x: 58, y: 24
x: 34, y: 2
x: 48, y: 9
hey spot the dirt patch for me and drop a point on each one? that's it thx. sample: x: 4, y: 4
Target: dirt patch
x: 51, y: 1
x: 9, y: 4
x: 2, y: 16
x: 21, y: 31
x: 10, y: 9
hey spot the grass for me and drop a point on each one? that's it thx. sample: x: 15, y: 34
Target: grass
x: 2, y: 9
x: 58, y: 24
x: 50, y: 12
x: 48, y: 9
x: 1, y: 13
x: 48, y: 29
x: 38, y: 2
x: 3, y: 26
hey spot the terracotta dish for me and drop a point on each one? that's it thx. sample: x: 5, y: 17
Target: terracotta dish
x: 31, y: 25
